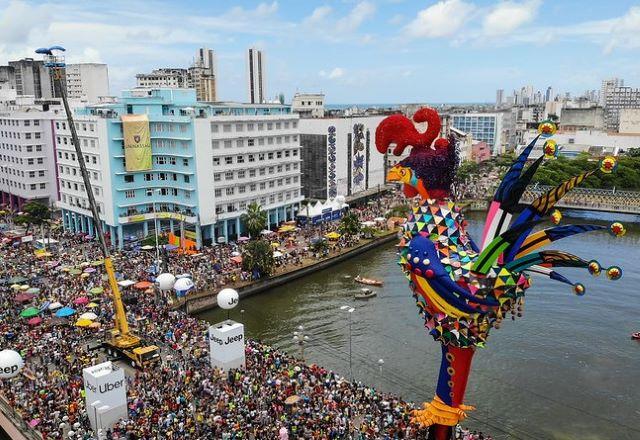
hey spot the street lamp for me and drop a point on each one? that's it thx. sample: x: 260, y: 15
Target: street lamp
x: 349, y: 310
x: 301, y: 339
x: 380, y: 364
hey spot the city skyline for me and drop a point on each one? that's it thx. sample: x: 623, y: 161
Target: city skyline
x: 446, y: 51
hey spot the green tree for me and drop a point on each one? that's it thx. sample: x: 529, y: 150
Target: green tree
x: 33, y: 214
x: 633, y: 152
x: 150, y: 240
x: 257, y: 255
x: 320, y: 246
x: 255, y: 219
x: 350, y: 224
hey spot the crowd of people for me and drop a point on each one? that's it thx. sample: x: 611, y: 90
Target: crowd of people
x: 182, y: 397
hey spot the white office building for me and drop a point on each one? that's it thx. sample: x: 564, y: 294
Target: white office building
x: 256, y: 76
x: 27, y: 158
x: 308, y: 105
x: 87, y: 81
x: 339, y: 157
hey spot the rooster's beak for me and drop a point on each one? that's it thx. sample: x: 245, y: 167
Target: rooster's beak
x: 394, y: 175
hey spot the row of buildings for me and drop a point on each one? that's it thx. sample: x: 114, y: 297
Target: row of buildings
x: 209, y: 161
x: 28, y: 77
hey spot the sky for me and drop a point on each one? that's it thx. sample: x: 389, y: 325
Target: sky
x: 360, y: 51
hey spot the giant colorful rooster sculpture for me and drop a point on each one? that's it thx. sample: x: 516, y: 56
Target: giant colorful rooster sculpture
x: 462, y: 290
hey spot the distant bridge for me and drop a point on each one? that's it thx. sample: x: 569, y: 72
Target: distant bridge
x: 587, y: 199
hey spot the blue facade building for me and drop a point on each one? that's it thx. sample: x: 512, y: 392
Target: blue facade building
x: 209, y: 161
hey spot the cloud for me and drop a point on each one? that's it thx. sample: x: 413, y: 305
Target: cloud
x: 507, y: 16
x: 359, y: 14
x: 337, y: 72
x: 396, y: 19
x: 442, y: 19
x: 19, y: 20
x: 318, y: 15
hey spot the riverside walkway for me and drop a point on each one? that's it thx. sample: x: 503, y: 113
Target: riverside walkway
x: 588, y: 199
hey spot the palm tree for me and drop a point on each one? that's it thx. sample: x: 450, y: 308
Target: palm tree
x: 350, y: 224
x: 255, y: 219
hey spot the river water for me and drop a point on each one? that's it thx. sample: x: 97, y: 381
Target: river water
x: 568, y: 369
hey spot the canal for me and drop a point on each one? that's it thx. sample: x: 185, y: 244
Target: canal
x: 568, y: 369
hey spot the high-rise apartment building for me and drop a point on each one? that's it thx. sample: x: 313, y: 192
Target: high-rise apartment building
x: 616, y: 99
x: 499, y: 97
x: 608, y: 85
x: 87, y: 81
x: 485, y: 127
x: 32, y: 78
x: 548, y: 96
x: 255, y: 76
x: 27, y: 152
x: 208, y: 163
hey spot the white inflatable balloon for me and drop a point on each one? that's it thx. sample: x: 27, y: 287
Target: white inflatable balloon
x: 165, y: 281
x: 183, y: 286
x: 228, y: 299
x: 11, y: 363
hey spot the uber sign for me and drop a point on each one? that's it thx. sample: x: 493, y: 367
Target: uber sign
x: 106, y: 384
x: 226, y: 345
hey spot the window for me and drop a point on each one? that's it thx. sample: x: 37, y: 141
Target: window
x: 260, y: 126
x: 37, y: 135
x: 226, y: 128
x: 215, y: 144
x: 148, y: 177
x: 228, y: 160
x: 216, y: 161
x: 263, y: 171
x: 261, y: 156
x: 185, y: 162
x: 214, y: 128
x: 239, y: 143
x: 217, y: 177
x: 241, y: 174
x: 252, y: 158
x: 278, y: 125
x: 250, y: 126
x: 269, y: 125
x: 130, y: 194
x: 43, y: 185
x: 239, y: 127
x: 252, y: 187
x: 229, y: 191
x: 129, y: 178
x: 240, y: 159
x: 251, y: 142
x: 242, y: 189
x: 161, y: 160
x: 186, y: 179
x: 218, y: 192
x: 252, y: 173
x: 41, y: 173
x: 228, y: 175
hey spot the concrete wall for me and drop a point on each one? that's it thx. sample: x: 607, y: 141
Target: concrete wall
x: 629, y: 121
x: 199, y: 304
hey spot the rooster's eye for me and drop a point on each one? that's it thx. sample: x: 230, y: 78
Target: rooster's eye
x: 403, y: 172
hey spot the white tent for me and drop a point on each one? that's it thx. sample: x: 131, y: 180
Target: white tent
x: 125, y: 283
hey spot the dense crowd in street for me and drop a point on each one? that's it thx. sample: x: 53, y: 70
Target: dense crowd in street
x: 182, y: 397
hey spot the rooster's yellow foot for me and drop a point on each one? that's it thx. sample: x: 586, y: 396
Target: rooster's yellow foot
x: 438, y: 412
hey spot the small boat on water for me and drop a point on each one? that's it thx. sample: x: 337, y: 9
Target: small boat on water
x: 368, y: 281
x: 365, y: 294
x: 635, y: 336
